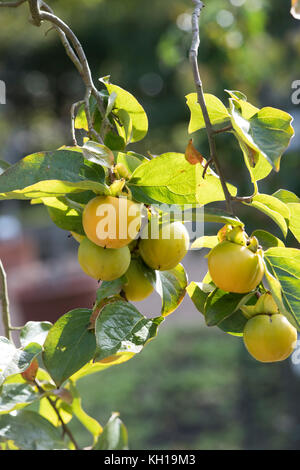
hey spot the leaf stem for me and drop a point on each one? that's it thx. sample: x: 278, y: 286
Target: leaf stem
x: 201, y: 99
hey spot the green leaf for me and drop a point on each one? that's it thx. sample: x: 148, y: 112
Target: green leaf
x: 125, y: 101
x: 171, y: 286
x: 293, y: 203
x: 129, y: 160
x: 98, y: 153
x: 208, y: 241
x: 220, y: 305
x: 274, y: 208
x: 93, y: 367
x: 114, y: 141
x: 283, y: 276
x: 170, y: 179
x: 199, y: 292
x: 266, y: 239
x: 49, y: 174
x: 45, y: 409
x: 13, y: 360
x: 89, y: 423
x: 69, y: 345
x: 34, y: 332
x: 232, y: 324
x: 218, y: 113
x: 81, y: 120
x: 15, y: 396
x: 247, y: 109
x: 266, y: 134
x: 121, y: 329
x: 64, y: 214
x: 294, y: 225
x: 30, y: 431
x: 220, y: 216
x: 286, y: 196
x: 110, y: 288
x: 114, y: 435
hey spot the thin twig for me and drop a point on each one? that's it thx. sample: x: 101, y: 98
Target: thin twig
x: 41, y: 11
x: 201, y: 100
x: 5, y: 303
x: 65, y: 428
x: 12, y: 4
x: 35, y: 12
x: 77, y: 55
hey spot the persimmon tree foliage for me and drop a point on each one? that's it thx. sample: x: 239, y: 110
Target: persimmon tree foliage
x: 253, y: 282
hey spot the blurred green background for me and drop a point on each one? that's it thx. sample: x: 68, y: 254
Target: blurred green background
x: 192, y: 387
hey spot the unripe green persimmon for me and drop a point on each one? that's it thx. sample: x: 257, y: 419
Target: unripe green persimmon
x: 235, y: 268
x: 168, y: 249
x: 103, y: 263
x: 138, y: 287
x: 270, y: 338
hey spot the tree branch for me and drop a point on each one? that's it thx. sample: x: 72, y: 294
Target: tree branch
x: 5, y: 303
x: 201, y: 100
x: 40, y: 11
x: 65, y: 428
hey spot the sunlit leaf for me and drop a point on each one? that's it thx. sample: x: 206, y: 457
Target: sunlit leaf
x: 13, y: 360
x: 217, y: 112
x: 171, y: 286
x: 15, y: 396
x: 70, y: 344
x: 170, y: 179
x: 125, y: 101
x: 121, y: 329
x: 30, y: 431
x: 274, y: 208
x: 114, y: 435
x: 48, y: 174
x: 283, y: 276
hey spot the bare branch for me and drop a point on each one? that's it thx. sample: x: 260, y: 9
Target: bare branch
x: 201, y: 99
x: 35, y: 12
x: 12, y: 4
